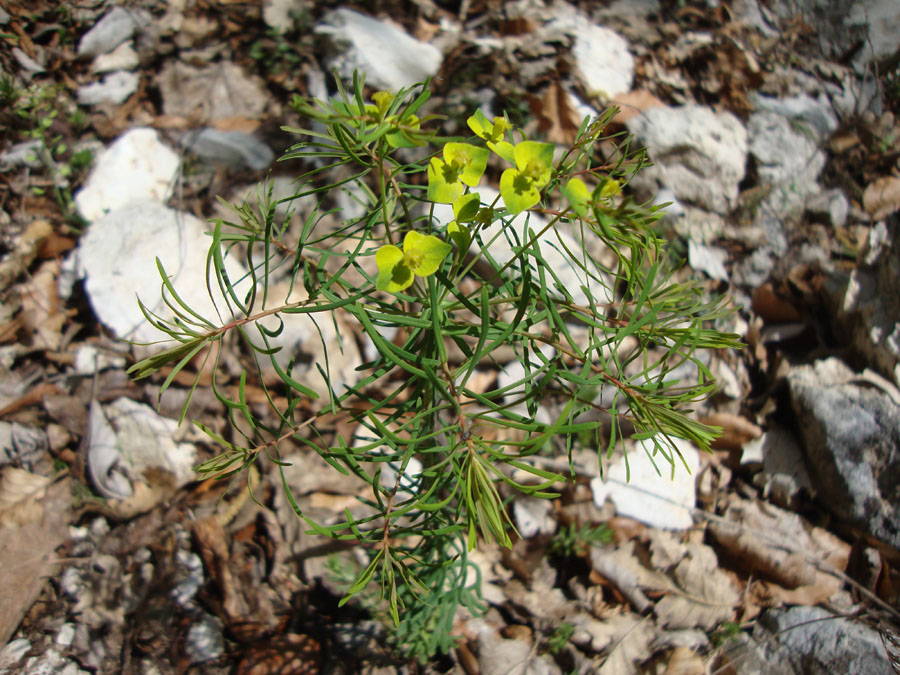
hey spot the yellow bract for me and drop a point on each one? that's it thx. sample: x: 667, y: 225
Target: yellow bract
x: 421, y: 256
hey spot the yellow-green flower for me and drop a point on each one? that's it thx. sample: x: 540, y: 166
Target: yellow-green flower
x: 521, y: 187
x: 421, y: 256
x: 463, y: 164
x: 492, y: 133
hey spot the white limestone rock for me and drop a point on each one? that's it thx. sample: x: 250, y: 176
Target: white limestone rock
x: 663, y: 501
x: 117, y: 257
x: 388, y: 55
x: 113, y: 88
x: 137, y: 167
x: 697, y: 153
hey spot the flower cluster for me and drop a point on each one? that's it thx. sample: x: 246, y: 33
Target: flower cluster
x: 450, y: 176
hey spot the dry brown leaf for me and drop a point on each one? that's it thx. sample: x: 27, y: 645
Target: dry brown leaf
x: 684, y: 661
x: 557, y: 118
x: 26, y: 249
x: 771, y: 307
x: 705, y: 596
x: 26, y: 556
x: 621, y: 567
x: 736, y: 430
x: 784, y: 548
x: 630, y: 650
x: 633, y: 103
x: 291, y: 653
x: 20, y: 497
x: 41, y: 308
x: 882, y: 197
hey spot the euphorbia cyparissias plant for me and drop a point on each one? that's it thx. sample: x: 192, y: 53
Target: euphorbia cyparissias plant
x: 440, y: 448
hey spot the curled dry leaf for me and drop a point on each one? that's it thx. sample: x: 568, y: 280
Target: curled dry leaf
x: 20, y: 495
x: 26, y: 548
x: 736, y: 430
x: 705, y: 595
x: 784, y: 548
x: 882, y: 197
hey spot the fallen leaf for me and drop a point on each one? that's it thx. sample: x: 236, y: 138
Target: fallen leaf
x: 771, y: 307
x: 291, y: 653
x: 621, y: 567
x: 684, y: 661
x: 20, y: 495
x: 705, y: 596
x: 557, y: 117
x: 26, y: 555
x: 25, y: 251
x: 784, y: 548
x: 882, y: 197
x: 630, y: 650
x: 633, y: 103
x: 736, y: 430
x: 42, y: 315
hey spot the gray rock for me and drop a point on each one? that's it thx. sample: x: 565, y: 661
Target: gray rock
x: 815, y: 112
x: 232, y: 148
x: 817, y: 642
x: 24, y: 154
x: 280, y: 15
x: 871, y: 307
x: 22, y: 446
x: 697, y: 153
x: 390, y: 57
x: 851, y: 436
x: 881, y: 21
x: 788, y: 160
x: 113, y: 88
x: 112, y: 30
x: 122, y: 57
x: 708, y: 259
x: 28, y: 64
x: 205, y: 641
x: 117, y: 255
x: 831, y: 205
x: 603, y: 63
x: 214, y: 92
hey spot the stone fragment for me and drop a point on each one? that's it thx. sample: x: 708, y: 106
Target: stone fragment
x: 234, y: 149
x: 697, y: 153
x: 122, y: 57
x: 708, y: 259
x: 661, y: 499
x: 787, y: 160
x: 815, y: 641
x: 280, y: 15
x: 210, y: 93
x: 24, y: 154
x: 137, y: 167
x: 388, y: 55
x: 112, y: 30
x: 870, y: 314
x: 602, y: 61
x: 113, y: 88
x: 830, y: 205
x: 117, y: 255
x: 851, y: 436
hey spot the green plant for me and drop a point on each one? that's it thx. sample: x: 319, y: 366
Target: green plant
x: 438, y: 279
x: 560, y: 637
x: 37, y: 112
x: 573, y: 540
x: 728, y: 630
